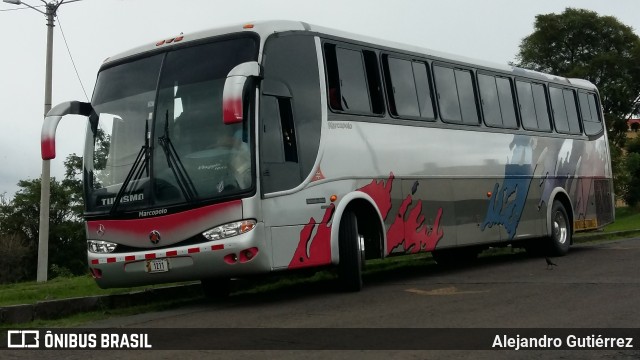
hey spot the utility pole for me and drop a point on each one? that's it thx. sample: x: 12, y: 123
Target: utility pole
x: 45, y: 182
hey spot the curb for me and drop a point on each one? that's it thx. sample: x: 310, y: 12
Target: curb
x: 55, y: 309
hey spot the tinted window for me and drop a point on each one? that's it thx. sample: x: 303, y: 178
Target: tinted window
x: 542, y: 107
x: 402, y: 91
x: 527, y: 107
x: 505, y: 94
x: 423, y: 88
x: 353, y: 83
x: 584, y: 106
x: 447, y: 94
x: 373, y: 80
x: 590, y: 114
x: 572, y: 111
x: 456, y: 95
x: 559, y: 110
x: 467, y: 97
x: 408, y: 88
x: 497, y: 101
x: 489, y: 100
x: 593, y: 107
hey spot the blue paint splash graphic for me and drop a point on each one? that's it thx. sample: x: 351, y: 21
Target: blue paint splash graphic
x: 507, y: 201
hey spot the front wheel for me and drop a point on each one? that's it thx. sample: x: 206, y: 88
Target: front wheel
x: 560, y: 239
x: 351, y: 247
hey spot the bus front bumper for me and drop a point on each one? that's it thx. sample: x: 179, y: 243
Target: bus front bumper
x: 240, y: 255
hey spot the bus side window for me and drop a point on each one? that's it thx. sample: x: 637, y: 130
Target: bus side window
x: 533, y: 106
x: 456, y: 95
x: 332, y: 77
x: 565, y: 112
x: 541, y: 106
x: 288, y: 130
x: 572, y: 111
x: 496, y: 97
x: 590, y: 114
x: 273, y: 150
x: 559, y: 110
x: 408, y: 88
x: 353, y: 80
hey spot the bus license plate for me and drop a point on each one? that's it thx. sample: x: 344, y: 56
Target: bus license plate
x: 157, y: 265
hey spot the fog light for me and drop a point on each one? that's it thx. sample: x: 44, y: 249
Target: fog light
x: 231, y: 258
x: 248, y: 254
x: 96, y: 273
x: 101, y: 247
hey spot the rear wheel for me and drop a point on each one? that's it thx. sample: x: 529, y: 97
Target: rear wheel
x: 560, y: 240
x: 351, y: 247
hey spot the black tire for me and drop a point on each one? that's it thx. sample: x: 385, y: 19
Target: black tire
x: 351, y: 262
x: 560, y: 240
x: 216, y: 289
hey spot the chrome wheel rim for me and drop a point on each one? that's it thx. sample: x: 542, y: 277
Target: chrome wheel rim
x: 560, y: 228
x: 361, y: 243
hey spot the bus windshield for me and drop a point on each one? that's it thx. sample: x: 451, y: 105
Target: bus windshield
x: 159, y: 138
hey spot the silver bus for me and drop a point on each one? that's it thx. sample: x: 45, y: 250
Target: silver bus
x: 280, y: 145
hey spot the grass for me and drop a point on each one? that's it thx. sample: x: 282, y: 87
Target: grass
x: 58, y: 288
x: 626, y: 219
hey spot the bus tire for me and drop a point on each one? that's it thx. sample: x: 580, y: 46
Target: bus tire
x: 560, y: 239
x: 350, y: 246
x: 216, y: 289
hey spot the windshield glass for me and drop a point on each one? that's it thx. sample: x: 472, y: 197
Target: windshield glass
x: 160, y: 132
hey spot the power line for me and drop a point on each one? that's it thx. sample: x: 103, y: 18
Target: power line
x: 71, y: 57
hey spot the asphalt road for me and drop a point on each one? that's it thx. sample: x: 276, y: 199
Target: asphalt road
x: 596, y: 286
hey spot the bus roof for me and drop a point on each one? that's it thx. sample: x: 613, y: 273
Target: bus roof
x: 266, y: 28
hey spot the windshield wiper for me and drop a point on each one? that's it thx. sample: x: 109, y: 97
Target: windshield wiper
x: 175, y: 164
x: 140, y: 166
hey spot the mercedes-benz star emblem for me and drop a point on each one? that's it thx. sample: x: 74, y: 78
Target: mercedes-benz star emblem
x: 100, y: 231
x: 154, y: 236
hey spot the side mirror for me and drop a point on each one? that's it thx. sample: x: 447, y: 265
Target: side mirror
x: 232, y: 100
x: 48, y: 135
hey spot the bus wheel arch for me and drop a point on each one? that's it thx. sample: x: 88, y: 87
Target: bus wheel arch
x: 357, y: 235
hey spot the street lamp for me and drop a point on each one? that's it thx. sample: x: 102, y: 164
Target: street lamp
x: 45, y: 182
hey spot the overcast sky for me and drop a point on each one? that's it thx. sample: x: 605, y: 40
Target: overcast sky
x: 96, y: 29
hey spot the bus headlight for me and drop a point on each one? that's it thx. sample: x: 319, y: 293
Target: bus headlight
x: 100, y: 247
x: 229, y: 230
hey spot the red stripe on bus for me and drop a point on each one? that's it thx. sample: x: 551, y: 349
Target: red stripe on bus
x: 193, y: 250
x: 172, y: 253
x: 95, y: 262
x: 111, y: 260
x: 129, y: 258
x: 217, y: 247
x: 149, y: 256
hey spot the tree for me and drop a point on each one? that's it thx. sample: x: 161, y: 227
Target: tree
x: 631, y: 194
x: 19, y: 231
x: 581, y: 44
x: 578, y: 43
